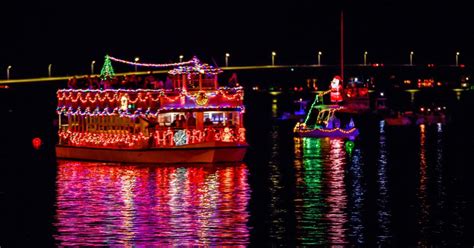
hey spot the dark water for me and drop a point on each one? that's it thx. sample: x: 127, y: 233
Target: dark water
x: 409, y: 186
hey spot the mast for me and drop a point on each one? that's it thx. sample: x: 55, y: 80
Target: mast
x: 342, y: 46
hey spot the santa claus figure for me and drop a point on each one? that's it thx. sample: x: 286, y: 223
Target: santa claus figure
x: 336, y: 89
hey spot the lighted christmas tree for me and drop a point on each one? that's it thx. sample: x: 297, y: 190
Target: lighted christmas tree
x: 107, y: 69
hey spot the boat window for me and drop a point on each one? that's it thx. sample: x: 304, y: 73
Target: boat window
x: 167, y: 118
x: 215, y: 117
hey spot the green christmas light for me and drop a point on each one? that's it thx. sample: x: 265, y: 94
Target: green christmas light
x: 315, y: 102
x: 349, y: 146
x: 107, y: 69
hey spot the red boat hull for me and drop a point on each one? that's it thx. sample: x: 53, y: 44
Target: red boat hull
x: 209, y: 152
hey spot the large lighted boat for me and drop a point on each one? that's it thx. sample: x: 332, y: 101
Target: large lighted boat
x: 191, y: 121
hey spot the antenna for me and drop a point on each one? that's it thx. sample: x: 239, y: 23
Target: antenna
x: 342, y: 45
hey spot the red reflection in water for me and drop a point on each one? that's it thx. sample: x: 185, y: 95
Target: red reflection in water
x: 110, y: 205
x: 424, y: 214
x: 337, y: 196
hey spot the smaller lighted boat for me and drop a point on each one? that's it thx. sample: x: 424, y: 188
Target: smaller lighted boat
x: 326, y: 124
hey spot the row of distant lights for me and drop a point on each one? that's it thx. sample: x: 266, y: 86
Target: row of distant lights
x: 429, y: 110
x: 227, y: 55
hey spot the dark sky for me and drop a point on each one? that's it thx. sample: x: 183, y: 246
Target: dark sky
x: 70, y: 34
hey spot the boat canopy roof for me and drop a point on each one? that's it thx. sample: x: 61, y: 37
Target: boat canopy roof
x: 328, y: 107
x: 195, y: 68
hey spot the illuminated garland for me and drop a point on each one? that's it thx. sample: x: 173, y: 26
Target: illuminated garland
x: 140, y: 112
x: 196, y: 69
x: 193, y: 66
x: 194, y: 60
x: 147, y: 99
x: 67, y: 95
x: 163, y: 138
x: 110, y: 140
x: 316, y: 100
x: 333, y: 130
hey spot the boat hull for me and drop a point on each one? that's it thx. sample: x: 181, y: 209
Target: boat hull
x: 332, y: 133
x: 210, y: 152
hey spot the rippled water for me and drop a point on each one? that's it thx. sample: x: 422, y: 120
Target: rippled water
x: 386, y: 188
x: 107, y: 204
x: 321, y: 197
x: 391, y: 187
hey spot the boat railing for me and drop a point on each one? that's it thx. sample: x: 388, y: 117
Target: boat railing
x: 183, y: 136
x: 163, y: 137
x: 142, y: 99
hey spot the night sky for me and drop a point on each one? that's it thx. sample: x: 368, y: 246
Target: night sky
x: 70, y: 34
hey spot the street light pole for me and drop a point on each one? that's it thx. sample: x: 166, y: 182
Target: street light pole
x: 49, y: 70
x: 319, y: 57
x: 411, y: 57
x: 92, y: 67
x: 273, y: 58
x: 136, y: 60
x: 181, y: 58
x: 457, y: 58
x: 8, y: 72
x: 227, y: 55
x: 365, y: 58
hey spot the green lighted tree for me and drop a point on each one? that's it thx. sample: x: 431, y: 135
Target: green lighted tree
x: 107, y: 69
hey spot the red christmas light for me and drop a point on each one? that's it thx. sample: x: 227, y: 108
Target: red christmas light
x: 37, y: 143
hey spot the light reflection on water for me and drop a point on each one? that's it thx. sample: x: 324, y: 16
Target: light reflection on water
x: 110, y: 205
x: 342, y: 194
x: 278, y: 228
x: 357, y: 198
x: 383, y: 200
x: 439, y: 220
x: 321, y: 200
x: 424, y: 210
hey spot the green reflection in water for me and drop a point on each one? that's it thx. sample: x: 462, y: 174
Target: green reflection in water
x: 310, y: 214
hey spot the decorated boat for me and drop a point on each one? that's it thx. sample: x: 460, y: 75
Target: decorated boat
x: 321, y: 119
x: 326, y: 124
x: 191, y: 120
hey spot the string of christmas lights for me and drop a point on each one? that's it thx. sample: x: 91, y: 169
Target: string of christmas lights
x: 226, y: 90
x: 161, y: 138
x: 194, y: 60
x: 94, y: 95
x: 329, y: 130
x: 193, y: 66
x: 148, y: 99
x: 196, y: 69
x: 141, y: 112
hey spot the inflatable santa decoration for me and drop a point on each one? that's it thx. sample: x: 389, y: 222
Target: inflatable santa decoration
x: 336, y: 89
